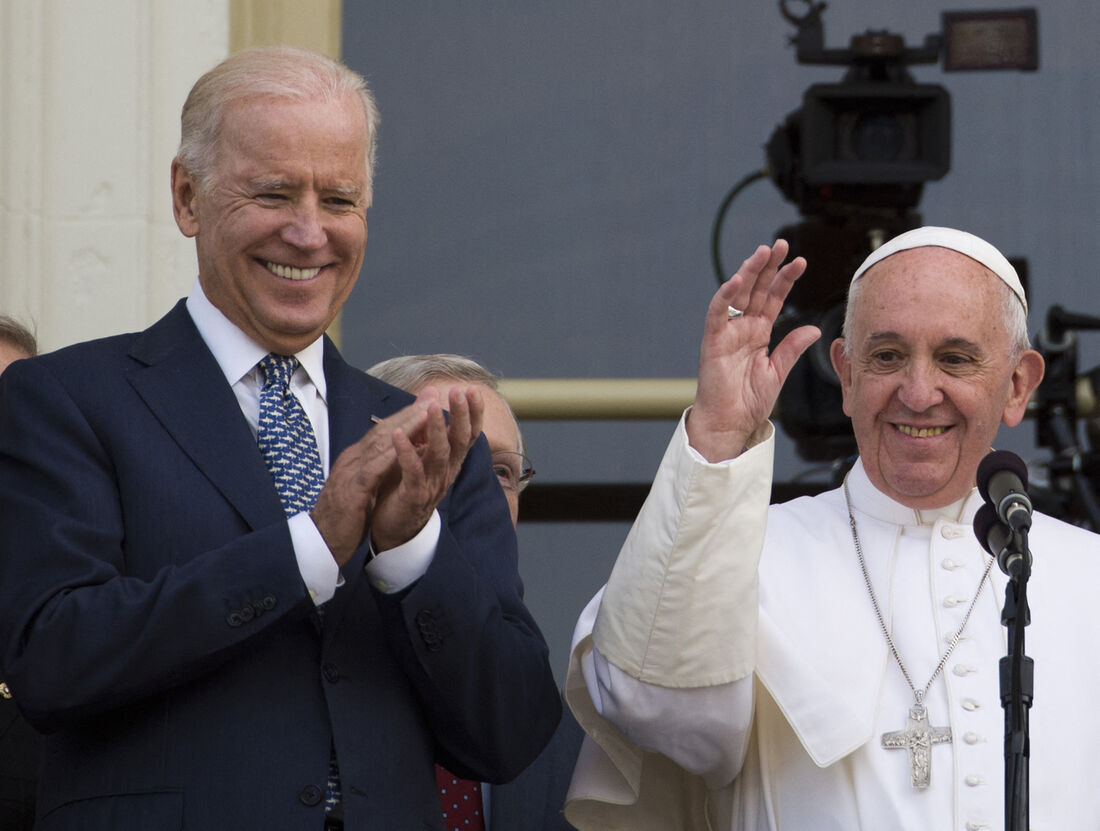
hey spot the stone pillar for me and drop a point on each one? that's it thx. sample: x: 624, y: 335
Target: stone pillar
x: 91, y: 95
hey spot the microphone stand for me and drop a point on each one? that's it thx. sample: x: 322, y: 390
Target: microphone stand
x: 1017, y: 673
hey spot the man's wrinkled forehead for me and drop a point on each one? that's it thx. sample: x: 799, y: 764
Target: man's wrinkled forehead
x: 971, y: 246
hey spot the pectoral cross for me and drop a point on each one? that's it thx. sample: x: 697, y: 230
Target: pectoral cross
x: 918, y: 738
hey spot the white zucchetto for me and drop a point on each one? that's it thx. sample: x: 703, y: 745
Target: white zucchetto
x: 974, y: 247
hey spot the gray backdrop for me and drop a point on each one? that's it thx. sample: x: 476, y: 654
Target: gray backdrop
x: 549, y: 174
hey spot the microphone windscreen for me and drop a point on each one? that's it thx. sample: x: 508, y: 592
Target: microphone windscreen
x: 997, y: 462
x: 984, y: 521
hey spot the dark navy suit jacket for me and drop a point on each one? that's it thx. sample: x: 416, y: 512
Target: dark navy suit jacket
x: 154, y: 623
x: 534, y: 800
x: 20, y: 755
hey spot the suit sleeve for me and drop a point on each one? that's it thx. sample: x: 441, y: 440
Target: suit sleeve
x: 467, y: 642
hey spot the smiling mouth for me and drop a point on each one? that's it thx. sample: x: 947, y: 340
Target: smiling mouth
x: 919, y: 432
x: 290, y: 273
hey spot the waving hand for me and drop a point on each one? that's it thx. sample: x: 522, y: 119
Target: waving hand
x: 739, y: 380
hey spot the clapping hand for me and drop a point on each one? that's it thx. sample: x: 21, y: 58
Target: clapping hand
x: 390, y: 481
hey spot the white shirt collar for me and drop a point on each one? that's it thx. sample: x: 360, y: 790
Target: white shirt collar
x: 236, y: 353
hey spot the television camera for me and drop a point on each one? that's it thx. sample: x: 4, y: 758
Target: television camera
x: 854, y: 159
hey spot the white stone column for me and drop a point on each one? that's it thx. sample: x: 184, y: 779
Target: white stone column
x: 90, y: 94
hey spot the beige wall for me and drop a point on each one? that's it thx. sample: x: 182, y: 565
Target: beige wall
x: 91, y: 94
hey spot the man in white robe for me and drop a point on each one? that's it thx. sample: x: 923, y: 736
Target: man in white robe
x: 734, y: 673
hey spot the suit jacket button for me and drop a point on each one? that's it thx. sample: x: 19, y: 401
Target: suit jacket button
x: 331, y: 672
x: 234, y: 619
x: 268, y: 602
x: 310, y: 795
x: 247, y: 614
x: 431, y: 631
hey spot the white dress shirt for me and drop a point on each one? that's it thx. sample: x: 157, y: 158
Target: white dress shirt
x: 238, y: 355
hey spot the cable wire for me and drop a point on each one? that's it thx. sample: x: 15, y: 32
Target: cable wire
x: 720, y: 218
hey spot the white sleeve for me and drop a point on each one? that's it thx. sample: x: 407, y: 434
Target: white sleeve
x: 663, y: 657
x: 704, y: 730
x: 319, y: 570
x: 680, y: 608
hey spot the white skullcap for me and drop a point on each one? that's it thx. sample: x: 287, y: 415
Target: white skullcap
x: 974, y: 247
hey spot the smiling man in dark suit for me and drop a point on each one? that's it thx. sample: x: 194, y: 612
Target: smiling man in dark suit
x: 243, y: 584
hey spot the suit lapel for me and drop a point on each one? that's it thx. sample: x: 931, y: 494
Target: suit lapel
x: 184, y: 387
x: 353, y: 397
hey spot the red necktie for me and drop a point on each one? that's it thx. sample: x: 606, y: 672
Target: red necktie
x: 460, y: 800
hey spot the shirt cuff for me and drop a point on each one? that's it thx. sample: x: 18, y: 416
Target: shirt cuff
x: 315, y: 562
x: 398, y: 568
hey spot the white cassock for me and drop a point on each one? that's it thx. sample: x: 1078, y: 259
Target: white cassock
x: 715, y: 700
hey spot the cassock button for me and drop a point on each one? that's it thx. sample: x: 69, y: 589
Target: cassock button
x: 311, y: 795
x: 973, y: 780
x: 950, y: 532
x: 971, y: 737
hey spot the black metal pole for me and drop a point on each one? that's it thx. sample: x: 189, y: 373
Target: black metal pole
x: 1017, y: 675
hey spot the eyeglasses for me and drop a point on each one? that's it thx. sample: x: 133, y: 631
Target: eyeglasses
x: 513, y: 469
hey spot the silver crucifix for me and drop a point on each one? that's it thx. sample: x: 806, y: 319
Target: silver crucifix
x: 918, y: 738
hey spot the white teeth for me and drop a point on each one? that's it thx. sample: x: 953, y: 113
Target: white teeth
x: 290, y: 273
x: 920, y: 432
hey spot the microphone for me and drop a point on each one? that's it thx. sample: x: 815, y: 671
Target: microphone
x: 1002, y: 482
x: 997, y: 539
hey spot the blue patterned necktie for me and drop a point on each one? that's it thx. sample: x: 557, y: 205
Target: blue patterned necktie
x: 289, y: 448
x: 286, y: 438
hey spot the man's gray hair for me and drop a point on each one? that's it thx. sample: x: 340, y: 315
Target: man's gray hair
x: 14, y: 333
x: 412, y: 372
x: 280, y: 72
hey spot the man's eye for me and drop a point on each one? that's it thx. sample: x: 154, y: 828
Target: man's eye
x: 885, y: 356
x: 508, y: 477
x: 956, y: 359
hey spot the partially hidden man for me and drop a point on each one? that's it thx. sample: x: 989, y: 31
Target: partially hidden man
x: 244, y: 585
x: 831, y: 664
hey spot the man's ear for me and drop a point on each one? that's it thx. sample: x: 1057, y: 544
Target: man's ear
x: 1025, y: 379
x: 843, y: 368
x: 185, y: 193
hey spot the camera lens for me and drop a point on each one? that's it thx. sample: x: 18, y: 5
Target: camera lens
x: 877, y: 137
